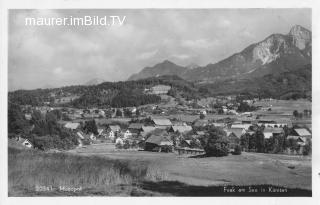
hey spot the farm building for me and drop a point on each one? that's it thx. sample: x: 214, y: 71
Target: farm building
x: 158, y: 143
x: 162, y: 123
x: 25, y: 142
x: 135, y: 127
x: 241, y: 126
x: 147, y: 129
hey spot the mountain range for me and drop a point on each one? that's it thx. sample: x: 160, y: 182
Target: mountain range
x: 276, y: 54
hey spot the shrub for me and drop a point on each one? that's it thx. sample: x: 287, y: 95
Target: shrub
x: 119, y: 145
x: 237, y: 150
x: 306, y: 150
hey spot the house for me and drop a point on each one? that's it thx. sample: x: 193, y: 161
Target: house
x: 158, y: 143
x: 114, y: 128
x: 85, y: 137
x: 241, y: 126
x: 185, y: 143
x: 302, y: 132
x: 238, y: 132
x: 147, y: 129
x: 272, y: 132
x: 72, y: 125
x: 302, y: 141
x: 25, y: 142
x: 162, y: 123
x: 112, y: 131
x: 111, y: 135
x: 180, y: 128
x: 102, y: 133
x: 127, y: 134
x: 160, y: 89
x: 135, y: 127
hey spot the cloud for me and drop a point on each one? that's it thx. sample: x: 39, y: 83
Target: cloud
x: 181, y: 56
x: 146, y: 55
x: 199, y: 43
x: 58, y: 70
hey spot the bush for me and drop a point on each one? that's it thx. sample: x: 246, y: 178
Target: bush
x: 237, y: 150
x: 119, y: 145
x: 306, y: 150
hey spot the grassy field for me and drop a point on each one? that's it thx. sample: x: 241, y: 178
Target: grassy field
x: 245, y: 169
x: 286, y: 106
x: 33, y: 173
x: 104, y: 171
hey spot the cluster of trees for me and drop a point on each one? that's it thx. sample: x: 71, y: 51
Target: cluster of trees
x: 42, y: 130
x: 305, y: 113
x: 215, y: 142
x: 276, y: 144
x: 245, y: 107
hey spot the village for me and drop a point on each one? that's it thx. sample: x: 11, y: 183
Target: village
x: 177, y: 125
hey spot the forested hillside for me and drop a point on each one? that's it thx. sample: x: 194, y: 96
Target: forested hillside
x: 114, y: 94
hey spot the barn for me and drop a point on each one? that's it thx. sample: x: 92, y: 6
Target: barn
x: 159, y: 143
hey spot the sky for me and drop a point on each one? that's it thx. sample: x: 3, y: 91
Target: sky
x: 55, y: 56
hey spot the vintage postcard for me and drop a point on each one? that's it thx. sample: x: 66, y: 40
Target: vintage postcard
x: 150, y: 102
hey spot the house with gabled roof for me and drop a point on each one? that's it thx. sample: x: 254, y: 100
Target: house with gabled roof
x: 302, y: 132
x: 162, y: 123
x: 25, y: 142
x: 157, y: 142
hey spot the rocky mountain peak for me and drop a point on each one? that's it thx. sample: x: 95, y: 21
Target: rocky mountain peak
x: 301, y: 36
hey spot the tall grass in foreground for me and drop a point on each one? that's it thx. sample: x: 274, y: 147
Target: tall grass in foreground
x: 28, y: 169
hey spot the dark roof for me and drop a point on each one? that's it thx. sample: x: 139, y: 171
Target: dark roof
x: 159, y: 139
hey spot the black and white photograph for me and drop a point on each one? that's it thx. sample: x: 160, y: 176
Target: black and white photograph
x: 159, y: 102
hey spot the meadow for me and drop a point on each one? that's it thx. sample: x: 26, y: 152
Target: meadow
x: 101, y: 170
x: 32, y: 172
